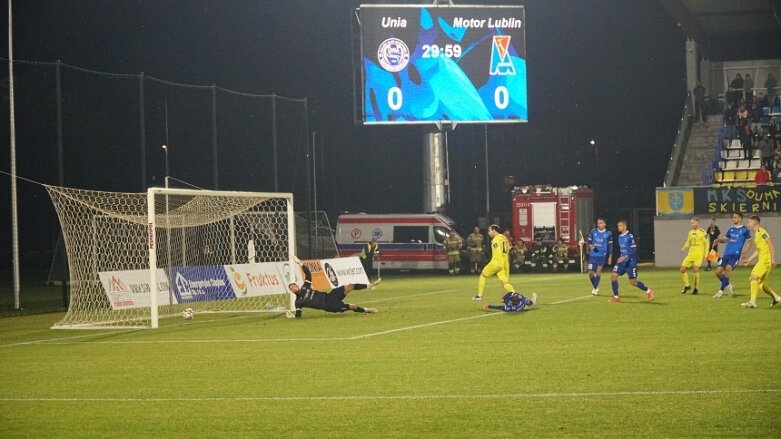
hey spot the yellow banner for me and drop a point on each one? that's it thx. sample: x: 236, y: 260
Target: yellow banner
x: 674, y: 201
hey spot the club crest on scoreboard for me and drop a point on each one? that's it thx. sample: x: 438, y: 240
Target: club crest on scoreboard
x: 501, y: 61
x: 393, y: 55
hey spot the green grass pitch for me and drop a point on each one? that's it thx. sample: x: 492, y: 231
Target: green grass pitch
x: 431, y: 363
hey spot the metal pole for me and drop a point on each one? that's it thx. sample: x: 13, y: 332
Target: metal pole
x: 14, y: 206
x: 169, y: 268
x: 165, y: 148
x: 61, y: 179
x: 165, y: 151
x: 142, y: 128
x: 214, y: 139
x: 314, y: 181
x: 167, y: 142
x: 308, y: 177
x: 487, y: 186
x: 60, y: 153
x: 314, y: 168
x: 274, y: 140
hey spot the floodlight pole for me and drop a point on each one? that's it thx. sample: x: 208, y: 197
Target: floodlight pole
x: 14, y: 206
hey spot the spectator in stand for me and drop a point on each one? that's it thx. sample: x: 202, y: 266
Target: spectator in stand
x: 776, y: 152
x: 756, y: 118
x: 748, y: 87
x: 729, y: 120
x: 737, y: 88
x: 765, y: 145
x: 731, y: 97
x: 772, y: 128
x: 762, y: 176
x: 699, y: 99
x: 744, y: 133
x: 770, y: 85
x: 777, y: 173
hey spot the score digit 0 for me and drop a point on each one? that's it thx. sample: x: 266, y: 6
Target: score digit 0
x: 501, y: 97
x: 395, y: 99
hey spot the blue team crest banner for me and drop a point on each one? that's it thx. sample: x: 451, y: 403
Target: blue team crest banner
x: 674, y: 201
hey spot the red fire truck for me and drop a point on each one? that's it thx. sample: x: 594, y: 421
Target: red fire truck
x: 546, y: 214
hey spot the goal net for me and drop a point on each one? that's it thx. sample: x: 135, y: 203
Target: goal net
x: 136, y: 257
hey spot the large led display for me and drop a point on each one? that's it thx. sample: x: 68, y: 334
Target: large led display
x: 428, y: 63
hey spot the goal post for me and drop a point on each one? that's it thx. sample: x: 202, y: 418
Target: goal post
x: 135, y: 258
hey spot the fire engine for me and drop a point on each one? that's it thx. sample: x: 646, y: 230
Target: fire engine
x: 546, y: 214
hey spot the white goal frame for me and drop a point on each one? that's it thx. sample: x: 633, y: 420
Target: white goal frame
x: 151, y: 195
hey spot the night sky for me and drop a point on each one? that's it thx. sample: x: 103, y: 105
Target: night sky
x: 607, y: 70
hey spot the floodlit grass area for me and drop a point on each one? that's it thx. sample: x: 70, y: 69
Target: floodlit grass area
x: 430, y: 363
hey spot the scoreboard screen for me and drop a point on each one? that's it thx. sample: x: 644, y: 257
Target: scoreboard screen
x: 428, y: 63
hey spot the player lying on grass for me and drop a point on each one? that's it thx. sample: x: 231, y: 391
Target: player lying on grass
x: 513, y: 302
x: 308, y: 297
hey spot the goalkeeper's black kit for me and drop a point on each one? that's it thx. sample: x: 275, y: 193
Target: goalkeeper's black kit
x: 308, y: 297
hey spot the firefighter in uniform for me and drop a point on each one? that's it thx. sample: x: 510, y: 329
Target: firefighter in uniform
x: 560, y: 255
x: 475, y: 244
x: 453, y: 247
x: 519, y: 255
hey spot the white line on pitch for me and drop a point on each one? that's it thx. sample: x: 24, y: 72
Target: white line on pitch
x: 387, y: 299
x: 410, y: 397
x: 94, y: 334
x: 425, y: 325
x: 571, y: 300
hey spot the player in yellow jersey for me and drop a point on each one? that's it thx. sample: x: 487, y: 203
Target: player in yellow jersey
x: 765, y: 254
x: 697, y: 243
x: 500, y: 248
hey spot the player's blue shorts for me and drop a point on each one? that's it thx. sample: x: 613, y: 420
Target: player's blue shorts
x: 595, y: 262
x: 731, y: 260
x: 628, y: 267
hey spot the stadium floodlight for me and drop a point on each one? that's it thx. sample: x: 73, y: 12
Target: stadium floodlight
x: 137, y: 257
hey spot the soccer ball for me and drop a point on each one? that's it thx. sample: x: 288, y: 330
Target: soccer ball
x: 188, y: 313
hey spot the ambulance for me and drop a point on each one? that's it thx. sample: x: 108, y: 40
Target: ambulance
x: 406, y: 241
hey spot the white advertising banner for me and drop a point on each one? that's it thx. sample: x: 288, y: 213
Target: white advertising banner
x: 343, y: 271
x: 130, y: 288
x: 263, y: 279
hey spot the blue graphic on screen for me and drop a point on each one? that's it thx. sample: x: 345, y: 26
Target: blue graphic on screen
x: 463, y: 73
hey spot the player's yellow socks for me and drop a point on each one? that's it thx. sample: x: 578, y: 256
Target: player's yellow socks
x: 480, y: 286
x: 696, y: 280
x: 754, y: 290
x: 685, y: 278
x: 507, y: 287
x: 769, y: 291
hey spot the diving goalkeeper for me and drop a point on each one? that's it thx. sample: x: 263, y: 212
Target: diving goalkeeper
x: 333, y: 301
x: 513, y: 302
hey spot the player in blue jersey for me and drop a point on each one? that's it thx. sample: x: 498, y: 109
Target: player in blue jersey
x: 513, y: 302
x: 600, y: 246
x: 736, y: 238
x: 627, y: 263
